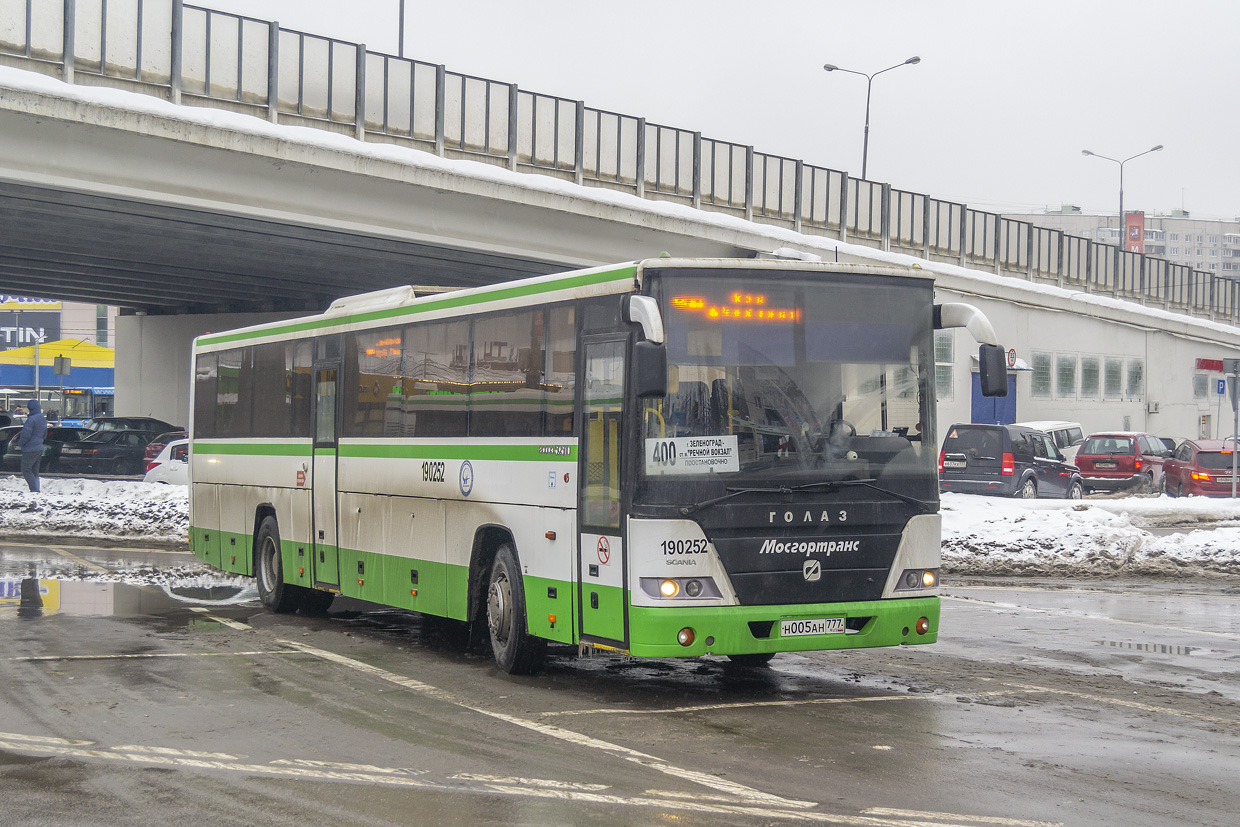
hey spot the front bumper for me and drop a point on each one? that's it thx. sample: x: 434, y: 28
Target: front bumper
x: 743, y: 630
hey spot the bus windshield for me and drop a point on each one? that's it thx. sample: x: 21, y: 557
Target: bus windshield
x: 795, y: 378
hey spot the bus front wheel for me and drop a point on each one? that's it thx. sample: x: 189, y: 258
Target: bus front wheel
x: 275, y: 594
x: 516, y: 651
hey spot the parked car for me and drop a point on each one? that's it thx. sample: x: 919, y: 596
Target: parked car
x: 53, y: 445
x: 131, y: 423
x: 106, y: 452
x: 1122, y: 461
x: 1200, y: 467
x: 1005, y: 460
x: 157, y: 444
x: 171, y: 466
x: 1068, y: 436
x: 6, y: 433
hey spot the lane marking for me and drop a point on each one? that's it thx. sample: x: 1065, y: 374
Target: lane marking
x: 993, y: 604
x: 530, y: 782
x: 757, y: 704
x: 36, y: 658
x: 187, y: 753
x: 121, y: 549
x: 45, y: 739
x: 1164, y: 710
x: 464, y: 784
x: 1009, y: 822
x: 232, y: 624
x: 576, y: 738
x: 79, y: 560
x: 334, y: 765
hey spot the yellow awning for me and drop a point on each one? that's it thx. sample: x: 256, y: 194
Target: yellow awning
x: 81, y: 354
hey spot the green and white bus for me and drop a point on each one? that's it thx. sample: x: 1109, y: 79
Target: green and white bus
x: 663, y: 458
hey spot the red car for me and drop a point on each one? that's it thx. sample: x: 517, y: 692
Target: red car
x: 1122, y: 461
x: 1200, y: 467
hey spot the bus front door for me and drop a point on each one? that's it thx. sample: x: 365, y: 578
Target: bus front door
x: 602, y: 571
x: 326, y: 551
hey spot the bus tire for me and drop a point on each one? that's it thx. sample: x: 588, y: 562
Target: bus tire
x: 752, y: 660
x: 516, y: 651
x: 275, y: 594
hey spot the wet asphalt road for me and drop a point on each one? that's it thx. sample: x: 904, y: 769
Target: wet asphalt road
x: 1044, y: 702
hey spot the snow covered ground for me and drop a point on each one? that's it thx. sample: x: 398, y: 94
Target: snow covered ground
x: 1097, y: 537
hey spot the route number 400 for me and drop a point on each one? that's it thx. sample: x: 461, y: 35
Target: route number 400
x: 664, y: 452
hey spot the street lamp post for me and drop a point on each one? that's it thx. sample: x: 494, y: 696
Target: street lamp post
x: 1121, y: 173
x: 869, y: 80
x: 400, y: 42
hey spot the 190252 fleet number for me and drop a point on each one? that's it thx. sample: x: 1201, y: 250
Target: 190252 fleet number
x: 432, y: 472
x: 689, y: 546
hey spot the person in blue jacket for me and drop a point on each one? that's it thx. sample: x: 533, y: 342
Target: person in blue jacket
x: 30, y: 440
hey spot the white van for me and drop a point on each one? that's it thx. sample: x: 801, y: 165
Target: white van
x: 1068, y: 436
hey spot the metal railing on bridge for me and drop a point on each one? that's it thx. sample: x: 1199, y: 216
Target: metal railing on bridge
x: 197, y: 56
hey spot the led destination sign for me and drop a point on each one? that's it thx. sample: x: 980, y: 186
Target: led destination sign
x: 740, y: 307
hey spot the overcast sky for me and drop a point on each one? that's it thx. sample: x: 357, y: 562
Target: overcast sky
x: 996, y: 114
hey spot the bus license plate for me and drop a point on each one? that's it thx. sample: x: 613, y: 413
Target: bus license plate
x: 816, y: 626
x: 954, y: 463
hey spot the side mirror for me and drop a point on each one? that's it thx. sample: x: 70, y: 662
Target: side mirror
x: 992, y: 368
x: 649, y: 370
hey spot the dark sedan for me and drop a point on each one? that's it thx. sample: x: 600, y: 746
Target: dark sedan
x: 57, y: 437
x: 106, y: 452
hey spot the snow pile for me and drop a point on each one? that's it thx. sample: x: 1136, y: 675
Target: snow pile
x: 1097, y: 537
x: 95, y: 509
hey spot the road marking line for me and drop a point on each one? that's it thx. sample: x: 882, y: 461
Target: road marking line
x: 36, y: 658
x: 1008, y: 822
x: 333, y: 765
x: 491, y: 787
x: 992, y: 604
x: 757, y: 704
x: 233, y: 624
x: 531, y: 782
x: 1165, y: 710
x: 45, y: 739
x: 658, y: 764
x: 80, y: 561
x: 187, y: 753
x: 124, y: 550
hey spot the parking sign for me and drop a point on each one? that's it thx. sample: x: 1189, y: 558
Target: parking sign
x: 1222, y: 387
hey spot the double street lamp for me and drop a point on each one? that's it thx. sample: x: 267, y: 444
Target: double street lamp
x: 1121, y: 173
x: 869, y: 80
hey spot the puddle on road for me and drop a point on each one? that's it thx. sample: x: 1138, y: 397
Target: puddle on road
x: 40, y: 597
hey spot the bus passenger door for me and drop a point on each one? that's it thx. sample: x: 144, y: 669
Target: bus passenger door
x: 326, y: 563
x: 602, y: 575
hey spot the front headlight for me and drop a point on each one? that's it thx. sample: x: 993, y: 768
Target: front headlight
x: 912, y: 580
x: 680, y: 588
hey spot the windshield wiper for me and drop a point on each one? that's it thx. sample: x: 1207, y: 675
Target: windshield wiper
x: 788, y: 491
x: 732, y: 493
x: 922, y: 504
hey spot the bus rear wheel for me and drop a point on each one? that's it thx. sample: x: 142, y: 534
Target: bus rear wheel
x: 275, y: 594
x: 516, y: 651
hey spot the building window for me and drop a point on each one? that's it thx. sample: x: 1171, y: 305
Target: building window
x: 1214, y: 239
x: 944, y: 363
x: 1201, y: 386
x: 1065, y: 377
x: 1214, y: 253
x: 1040, y: 382
x: 1090, y: 374
x: 1112, y: 378
x: 101, y: 325
x: 1136, y: 379
x: 1175, y: 251
x: 1175, y: 236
